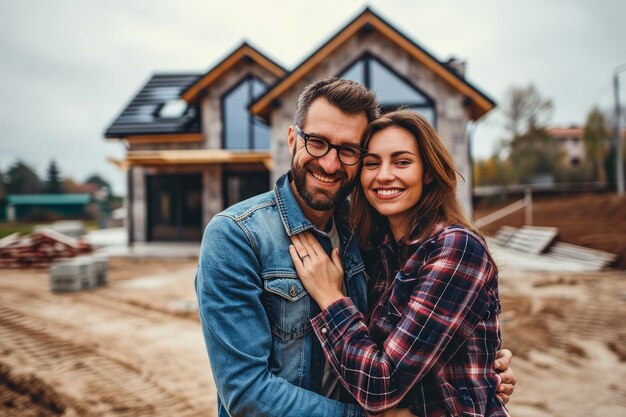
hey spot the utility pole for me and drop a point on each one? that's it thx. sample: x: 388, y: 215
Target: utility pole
x: 619, y: 143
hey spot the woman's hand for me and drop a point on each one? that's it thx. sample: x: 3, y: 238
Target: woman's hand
x: 320, y: 275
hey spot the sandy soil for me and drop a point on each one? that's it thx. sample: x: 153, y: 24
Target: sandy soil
x: 135, y: 347
x: 567, y: 333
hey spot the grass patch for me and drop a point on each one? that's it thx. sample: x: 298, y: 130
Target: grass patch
x: 10, y: 228
x: 24, y: 228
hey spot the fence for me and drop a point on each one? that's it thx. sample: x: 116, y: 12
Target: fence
x: 525, y: 203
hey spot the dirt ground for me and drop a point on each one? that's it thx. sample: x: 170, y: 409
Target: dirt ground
x: 597, y: 221
x: 135, y: 347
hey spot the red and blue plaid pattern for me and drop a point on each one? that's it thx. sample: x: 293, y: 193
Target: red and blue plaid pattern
x: 433, y: 331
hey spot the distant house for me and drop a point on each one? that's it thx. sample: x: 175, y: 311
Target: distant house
x: 197, y: 143
x: 23, y: 206
x: 570, y: 141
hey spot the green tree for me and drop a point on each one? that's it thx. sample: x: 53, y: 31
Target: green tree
x: 534, y: 154
x: 21, y: 179
x: 610, y: 165
x: 525, y: 110
x: 70, y: 185
x: 531, y: 151
x: 595, y: 137
x: 610, y: 162
x: 492, y: 171
x: 2, y: 188
x: 99, y: 181
x: 54, y: 185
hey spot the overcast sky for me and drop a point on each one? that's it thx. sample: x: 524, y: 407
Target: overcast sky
x: 67, y: 68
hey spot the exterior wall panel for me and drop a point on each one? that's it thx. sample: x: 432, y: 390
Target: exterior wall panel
x: 139, y: 206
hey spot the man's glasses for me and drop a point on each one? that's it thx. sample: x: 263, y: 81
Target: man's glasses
x: 318, y: 147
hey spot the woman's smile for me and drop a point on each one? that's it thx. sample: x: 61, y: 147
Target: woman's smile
x: 388, y: 193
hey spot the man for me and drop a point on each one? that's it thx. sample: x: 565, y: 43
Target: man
x: 255, y: 313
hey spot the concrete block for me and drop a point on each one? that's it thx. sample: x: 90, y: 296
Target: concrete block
x: 74, y: 274
x: 101, y: 269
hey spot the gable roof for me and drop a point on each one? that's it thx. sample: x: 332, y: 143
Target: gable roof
x: 243, y: 52
x: 141, y: 116
x: 368, y: 20
x: 48, y: 199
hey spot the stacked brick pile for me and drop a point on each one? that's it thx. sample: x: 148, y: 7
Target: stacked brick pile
x: 39, y: 249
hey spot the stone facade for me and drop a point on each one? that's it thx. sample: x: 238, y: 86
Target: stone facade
x: 212, y: 129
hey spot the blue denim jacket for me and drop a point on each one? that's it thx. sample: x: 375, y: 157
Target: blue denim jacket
x: 255, y: 313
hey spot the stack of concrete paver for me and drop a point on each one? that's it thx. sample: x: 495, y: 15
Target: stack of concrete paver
x: 80, y: 273
x: 39, y: 249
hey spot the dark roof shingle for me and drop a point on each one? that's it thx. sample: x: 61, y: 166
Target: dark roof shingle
x: 141, y: 116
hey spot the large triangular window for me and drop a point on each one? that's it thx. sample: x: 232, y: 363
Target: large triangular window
x: 242, y: 131
x: 392, y: 90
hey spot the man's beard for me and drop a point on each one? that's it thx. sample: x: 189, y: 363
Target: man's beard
x: 320, y: 199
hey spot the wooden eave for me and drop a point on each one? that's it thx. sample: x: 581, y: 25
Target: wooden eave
x: 245, y: 51
x: 479, y: 102
x: 191, y: 157
x: 165, y: 138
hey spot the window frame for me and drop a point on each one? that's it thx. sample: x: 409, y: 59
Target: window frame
x: 366, y: 58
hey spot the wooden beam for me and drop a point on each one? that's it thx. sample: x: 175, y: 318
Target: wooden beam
x: 191, y: 157
x: 192, y: 93
x: 120, y: 164
x: 265, y: 102
x: 178, y: 138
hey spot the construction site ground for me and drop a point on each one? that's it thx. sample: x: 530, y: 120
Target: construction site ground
x: 135, y: 347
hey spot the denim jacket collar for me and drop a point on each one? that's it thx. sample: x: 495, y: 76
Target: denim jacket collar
x: 290, y: 212
x: 295, y: 222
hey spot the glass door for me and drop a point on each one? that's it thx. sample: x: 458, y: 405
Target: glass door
x: 174, y: 207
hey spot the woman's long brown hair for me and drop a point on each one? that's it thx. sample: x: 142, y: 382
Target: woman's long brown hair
x: 438, y: 204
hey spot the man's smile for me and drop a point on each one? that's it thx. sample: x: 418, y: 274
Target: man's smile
x: 324, y: 178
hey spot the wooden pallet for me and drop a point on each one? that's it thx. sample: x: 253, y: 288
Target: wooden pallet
x: 542, y: 241
x: 561, y: 250
x: 532, y: 239
x: 503, y: 234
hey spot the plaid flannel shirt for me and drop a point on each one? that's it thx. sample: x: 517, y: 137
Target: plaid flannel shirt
x: 433, y: 331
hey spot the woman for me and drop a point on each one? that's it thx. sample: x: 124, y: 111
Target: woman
x: 432, y: 333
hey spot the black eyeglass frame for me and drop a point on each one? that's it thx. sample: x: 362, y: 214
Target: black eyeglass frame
x: 306, y: 137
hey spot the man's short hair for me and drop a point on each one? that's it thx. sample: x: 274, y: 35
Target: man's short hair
x: 348, y: 96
